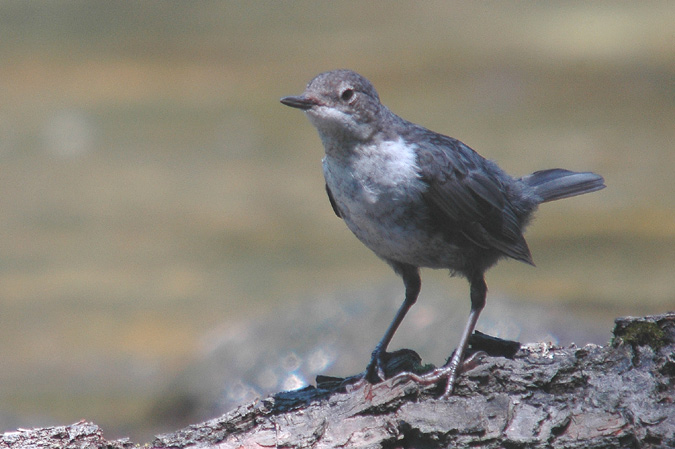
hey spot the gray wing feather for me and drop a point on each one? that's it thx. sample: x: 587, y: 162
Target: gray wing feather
x: 471, y: 194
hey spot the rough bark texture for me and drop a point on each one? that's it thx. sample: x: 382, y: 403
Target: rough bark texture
x: 619, y: 396
x: 81, y: 435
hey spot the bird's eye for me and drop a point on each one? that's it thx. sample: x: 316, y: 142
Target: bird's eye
x: 347, y: 94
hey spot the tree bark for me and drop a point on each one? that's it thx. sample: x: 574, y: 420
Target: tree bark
x: 618, y: 396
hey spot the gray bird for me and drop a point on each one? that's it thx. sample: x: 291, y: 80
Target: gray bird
x: 417, y: 198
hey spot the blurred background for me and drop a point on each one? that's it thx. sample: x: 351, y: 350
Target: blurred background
x: 167, y: 250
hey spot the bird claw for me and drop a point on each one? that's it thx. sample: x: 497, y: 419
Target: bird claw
x: 449, y: 372
x: 375, y: 370
x: 431, y: 378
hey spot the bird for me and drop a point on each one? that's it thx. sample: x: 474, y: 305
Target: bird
x: 420, y: 199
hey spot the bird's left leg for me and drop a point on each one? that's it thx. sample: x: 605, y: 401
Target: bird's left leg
x: 478, y: 295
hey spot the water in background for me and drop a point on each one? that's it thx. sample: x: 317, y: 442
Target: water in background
x: 166, y: 241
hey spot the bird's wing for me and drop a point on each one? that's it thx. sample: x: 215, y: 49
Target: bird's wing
x: 467, y: 193
x: 332, y: 202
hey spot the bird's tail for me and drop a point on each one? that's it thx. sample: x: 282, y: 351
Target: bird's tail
x: 557, y: 183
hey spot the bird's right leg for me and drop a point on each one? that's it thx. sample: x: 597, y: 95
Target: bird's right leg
x: 413, y: 283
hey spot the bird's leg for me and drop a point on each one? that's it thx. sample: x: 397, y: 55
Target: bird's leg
x: 413, y: 283
x: 451, y: 370
x: 478, y: 294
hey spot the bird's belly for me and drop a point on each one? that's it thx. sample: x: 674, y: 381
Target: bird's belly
x: 398, y: 242
x: 396, y: 228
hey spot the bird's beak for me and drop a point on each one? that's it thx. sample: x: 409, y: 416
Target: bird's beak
x: 300, y: 102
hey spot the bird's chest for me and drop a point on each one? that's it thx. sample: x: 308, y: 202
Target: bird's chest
x: 378, y: 192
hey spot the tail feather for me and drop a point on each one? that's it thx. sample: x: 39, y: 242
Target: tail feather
x: 557, y: 183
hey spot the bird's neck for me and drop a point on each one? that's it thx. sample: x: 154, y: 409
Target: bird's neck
x: 340, y: 146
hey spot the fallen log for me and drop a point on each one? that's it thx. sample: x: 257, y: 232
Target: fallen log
x: 533, y: 396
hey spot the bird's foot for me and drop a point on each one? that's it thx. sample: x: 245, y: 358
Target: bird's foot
x: 375, y: 370
x: 448, y: 372
x: 373, y: 374
x: 385, y: 365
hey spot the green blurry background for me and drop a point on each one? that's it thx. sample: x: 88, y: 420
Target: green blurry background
x: 155, y: 197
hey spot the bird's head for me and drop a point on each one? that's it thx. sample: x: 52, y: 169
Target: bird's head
x: 342, y: 105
